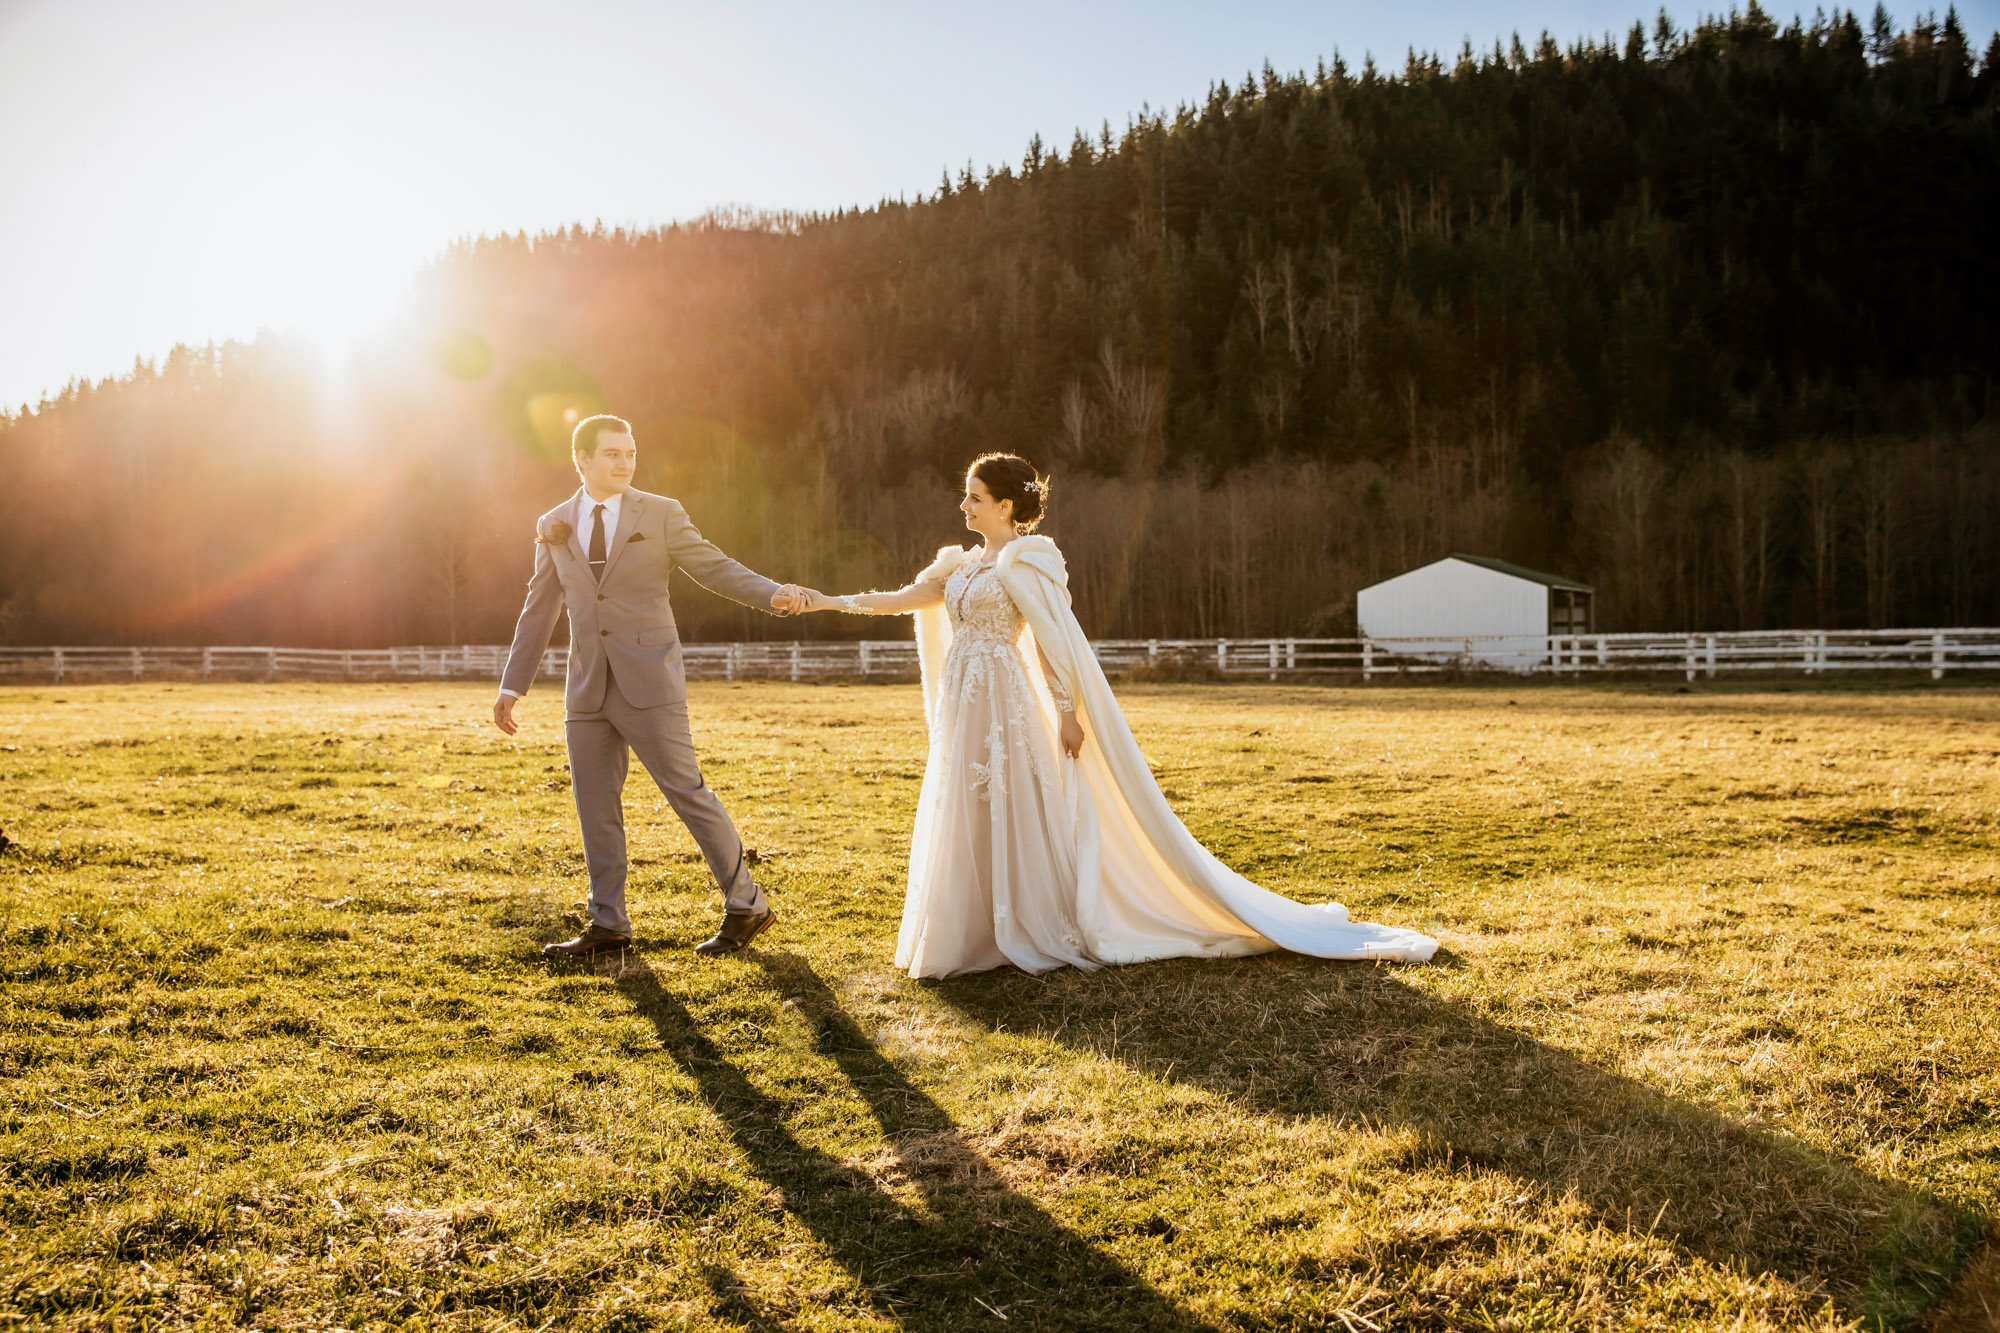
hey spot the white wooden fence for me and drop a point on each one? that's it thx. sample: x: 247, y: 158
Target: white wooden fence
x: 1811, y: 652
x: 724, y: 661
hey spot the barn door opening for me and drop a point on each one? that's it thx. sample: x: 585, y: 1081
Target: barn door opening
x: 1569, y: 611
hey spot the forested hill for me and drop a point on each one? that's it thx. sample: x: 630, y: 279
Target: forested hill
x: 1708, y: 318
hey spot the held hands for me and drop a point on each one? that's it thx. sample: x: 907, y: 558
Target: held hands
x: 793, y: 600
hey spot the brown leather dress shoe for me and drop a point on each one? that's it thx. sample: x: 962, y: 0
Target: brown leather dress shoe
x: 595, y: 939
x: 738, y: 929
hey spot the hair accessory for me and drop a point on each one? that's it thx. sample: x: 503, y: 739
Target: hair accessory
x: 1032, y: 487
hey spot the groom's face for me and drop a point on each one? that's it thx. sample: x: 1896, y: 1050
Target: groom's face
x: 609, y: 471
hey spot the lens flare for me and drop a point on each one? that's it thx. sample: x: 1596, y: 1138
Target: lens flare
x: 284, y: 561
x: 542, y: 401
x: 464, y: 355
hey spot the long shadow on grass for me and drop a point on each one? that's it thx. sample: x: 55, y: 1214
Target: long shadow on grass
x: 981, y: 1240
x: 1301, y: 1037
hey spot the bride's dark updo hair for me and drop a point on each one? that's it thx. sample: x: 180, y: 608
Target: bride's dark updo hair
x: 1012, y: 477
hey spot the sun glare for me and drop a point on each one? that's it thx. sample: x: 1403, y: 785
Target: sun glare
x: 338, y: 318
x: 319, y: 239
x: 355, y: 291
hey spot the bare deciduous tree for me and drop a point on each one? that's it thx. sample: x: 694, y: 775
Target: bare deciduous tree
x: 1821, y: 470
x: 1619, y: 494
x: 1749, y: 495
x: 1880, y: 516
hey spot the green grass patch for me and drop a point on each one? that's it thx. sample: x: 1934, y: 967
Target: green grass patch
x: 1707, y: 1046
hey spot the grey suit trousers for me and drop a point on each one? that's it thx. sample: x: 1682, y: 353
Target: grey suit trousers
x: 600, y: 746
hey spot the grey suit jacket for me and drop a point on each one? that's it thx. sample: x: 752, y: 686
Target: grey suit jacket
x: 625, y: 623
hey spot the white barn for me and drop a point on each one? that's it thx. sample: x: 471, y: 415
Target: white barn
x: 1474, y: 596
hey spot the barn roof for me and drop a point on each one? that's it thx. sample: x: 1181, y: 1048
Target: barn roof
x: 1522, y: 572
x: 1514, y: 571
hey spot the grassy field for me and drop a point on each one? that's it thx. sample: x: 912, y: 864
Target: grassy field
x: 1710, y: 1044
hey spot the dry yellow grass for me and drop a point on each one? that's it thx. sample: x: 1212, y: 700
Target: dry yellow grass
x: 1708, y: 1048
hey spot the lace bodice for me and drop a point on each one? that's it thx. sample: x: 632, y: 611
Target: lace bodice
x: 979, y: 607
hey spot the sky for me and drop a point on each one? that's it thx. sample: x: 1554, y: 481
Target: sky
x: 193, y: 170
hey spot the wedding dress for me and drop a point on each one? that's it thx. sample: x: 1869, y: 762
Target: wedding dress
x: 1022, y: 855
x: 993, y: 855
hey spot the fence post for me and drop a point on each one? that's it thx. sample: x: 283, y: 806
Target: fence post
x: 1367, y: 658
x: 59, y: 666
x: 1603, y: 653
x: 207, y: 664
x: 864, y: 657
x: 1152, y: 651
x: 1291, y: 654
x: 795, y: 659
x: 1274, y: 659
x: 271, y: 664
x: 347, y: 664
x: 1711, y: 657
x: 729, y: 663
x: 138, y: 664
x: 1690, y: 657
x: 1222, y: 654
x: 1937, y: 655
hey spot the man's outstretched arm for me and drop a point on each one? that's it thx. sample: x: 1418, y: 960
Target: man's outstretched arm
x: 717, y: 572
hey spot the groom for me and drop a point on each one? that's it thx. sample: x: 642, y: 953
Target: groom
x: 604, y: 555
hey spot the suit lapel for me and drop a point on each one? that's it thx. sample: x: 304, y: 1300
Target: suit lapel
x: 571, y: 508
x: 628, y: 522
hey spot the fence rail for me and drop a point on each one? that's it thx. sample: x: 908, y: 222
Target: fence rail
x: 1810, y: 652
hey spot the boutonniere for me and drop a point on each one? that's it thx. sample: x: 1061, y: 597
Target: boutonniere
x: 559, y: 533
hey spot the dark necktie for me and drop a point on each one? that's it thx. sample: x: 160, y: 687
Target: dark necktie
x: 597, y: 543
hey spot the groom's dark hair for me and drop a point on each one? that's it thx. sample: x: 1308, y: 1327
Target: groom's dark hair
x: 583, y: 441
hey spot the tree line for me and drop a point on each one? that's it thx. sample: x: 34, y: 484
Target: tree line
x: 1706, y: 318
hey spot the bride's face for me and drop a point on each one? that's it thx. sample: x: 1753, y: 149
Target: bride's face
x: 984, y: 514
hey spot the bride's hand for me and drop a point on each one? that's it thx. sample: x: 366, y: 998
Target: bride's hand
x: 1072, y: 735
x: 811, y: 599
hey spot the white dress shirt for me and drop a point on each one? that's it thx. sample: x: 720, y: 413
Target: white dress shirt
x: 583, y: 522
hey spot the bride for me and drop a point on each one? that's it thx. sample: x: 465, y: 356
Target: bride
x: 1041, y: 838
